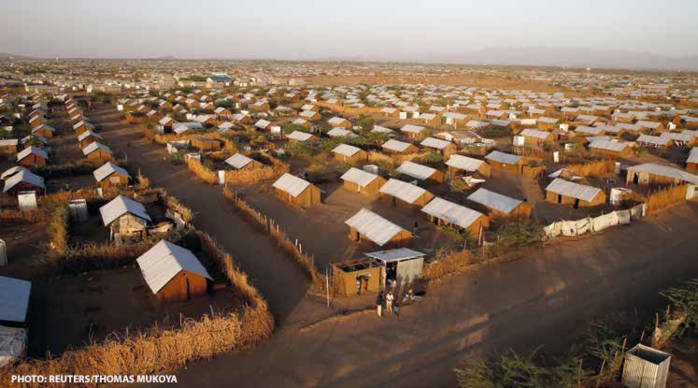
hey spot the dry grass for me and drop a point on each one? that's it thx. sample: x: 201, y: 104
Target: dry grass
x: 57, y: 215
x: 11, y: 217
x: 203, y: 172
x: 248, y: 177
x: 601, y: 168
x: 667, y: 197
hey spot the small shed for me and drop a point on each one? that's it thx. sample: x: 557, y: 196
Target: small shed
x: 413, y: 131
x: 349, y: 154
x: 399, y: 147
x: 297, y: 191
x: 173, y: 273
x: 443, y: 212
x: 420, y: 172
x: 446, y: 148
x: 508, y: 162
x: 109, y: 174
x: 24, y: 180
x: 242, y: 162
x: 470, y: 165
x: 500, y: 205
x: 32, y: 157
x: 402, y: 265
x: 356, y: 276
x: 125, y: 217
x: 300, y: 136
x: 98, y: 152
x: 88, y: 137
x: 367, y: 225
x: 571, y: 193
x: 406, y: 192
x: 362, y: 181
x: 645, y: 367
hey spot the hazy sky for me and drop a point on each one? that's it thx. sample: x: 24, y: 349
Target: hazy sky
x: 307, y: 29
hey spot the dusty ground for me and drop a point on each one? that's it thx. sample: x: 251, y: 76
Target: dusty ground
x: 90, y: 306
x: 543, y: 298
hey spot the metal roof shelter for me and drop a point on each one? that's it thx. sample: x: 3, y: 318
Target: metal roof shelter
x: 494, y: 200
x: 346, y: 150
x: 107, y: 169
x: 534, y: 133
x: 433, y: 142
x: 411, y: 128
x: 464, y: 163
x: 665, y: 171
x: 395, y: 145
x: 340, y: 132
x: 165, y: 260
x: 12, y: 170
x: 87, y: 134
x: 299, y: 136
x: 291, y: 184
x: 182, y: 127
x: 502, y: 157
x: 31, y: 150
x: 402, y: 190
x: 379, y: 129
x: 239, y: 161
x: 14, y: 299
x: 23, y: 176
x: 374, y: 227
x: 358, y: 176
x: 391, y: 255
x: 452, y: 213
x: 416, y: 170
x: 94, y: 146
x: 608, y: 145
x: 572, y: 189
x: 121, y: 205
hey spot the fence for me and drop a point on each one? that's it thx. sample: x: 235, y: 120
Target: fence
x: 595, y: 224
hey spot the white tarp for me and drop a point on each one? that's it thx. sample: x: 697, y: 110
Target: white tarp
x: 594, y: 224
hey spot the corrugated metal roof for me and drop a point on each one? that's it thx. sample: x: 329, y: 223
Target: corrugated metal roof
x: 358, y: 176
x: 464, y: 163
x: 107, y: 169
x: 416, y: 170
x: 291, y: 184
x: 379, y: 129
x: 503, y: 157
x: 666, y: 171
x: 450, y: 212
x: 88, y: 133
x: 23, y: 176
x: 398, y: 254
x: 238, y: 160
x: 396, y: 145
x: 299, y: 136
x: 402, y: 190
x: 121, y: 205
x: 340, y: 132
x: 574, y: 190
x: 534, y: 133
x: 165, y: 260
x: 336, y: 120
x: 346, y: 149
x: 94, y: 146
x: 14, y: 299
x: 411, y: 128
x: 608, y: 145
x: 432, y: 142
x: 31, y: 150
x: 494, y: 200
x: 12, y: 170
x: 374, y: 227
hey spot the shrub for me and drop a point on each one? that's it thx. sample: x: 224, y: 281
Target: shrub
x: 517, y: 234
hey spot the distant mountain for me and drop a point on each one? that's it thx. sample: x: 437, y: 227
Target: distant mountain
x: 575, y: 57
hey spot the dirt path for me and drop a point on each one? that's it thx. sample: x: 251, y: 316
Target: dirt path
x: 543, y: 298
x: 271, y: 271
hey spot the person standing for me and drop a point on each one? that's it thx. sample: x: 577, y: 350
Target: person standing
x: 379, y: 304
x: 389, y: 302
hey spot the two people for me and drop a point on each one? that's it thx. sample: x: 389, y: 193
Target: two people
x: 389, y: 299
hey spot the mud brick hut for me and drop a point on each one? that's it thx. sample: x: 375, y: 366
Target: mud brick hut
x: 109, y: 174
x: 367, y: 225
x: 499, y: 205
x: 361, y: 181
x: 32, y: 157
x: 443, y: 212
x: 575, y: 194
x: 126, y: 218
x: 97, y: 152
x: 349, y: 154
x: 173, y: 273
x: 406, y: 192
x: 297, y: 191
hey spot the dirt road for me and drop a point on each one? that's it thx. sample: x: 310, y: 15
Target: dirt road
x: 544, y: 297
x: 271, y: 271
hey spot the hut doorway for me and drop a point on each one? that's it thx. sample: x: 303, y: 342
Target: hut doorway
x: 559, y: 198
x: 576, y: 203
x: 186, y: 280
